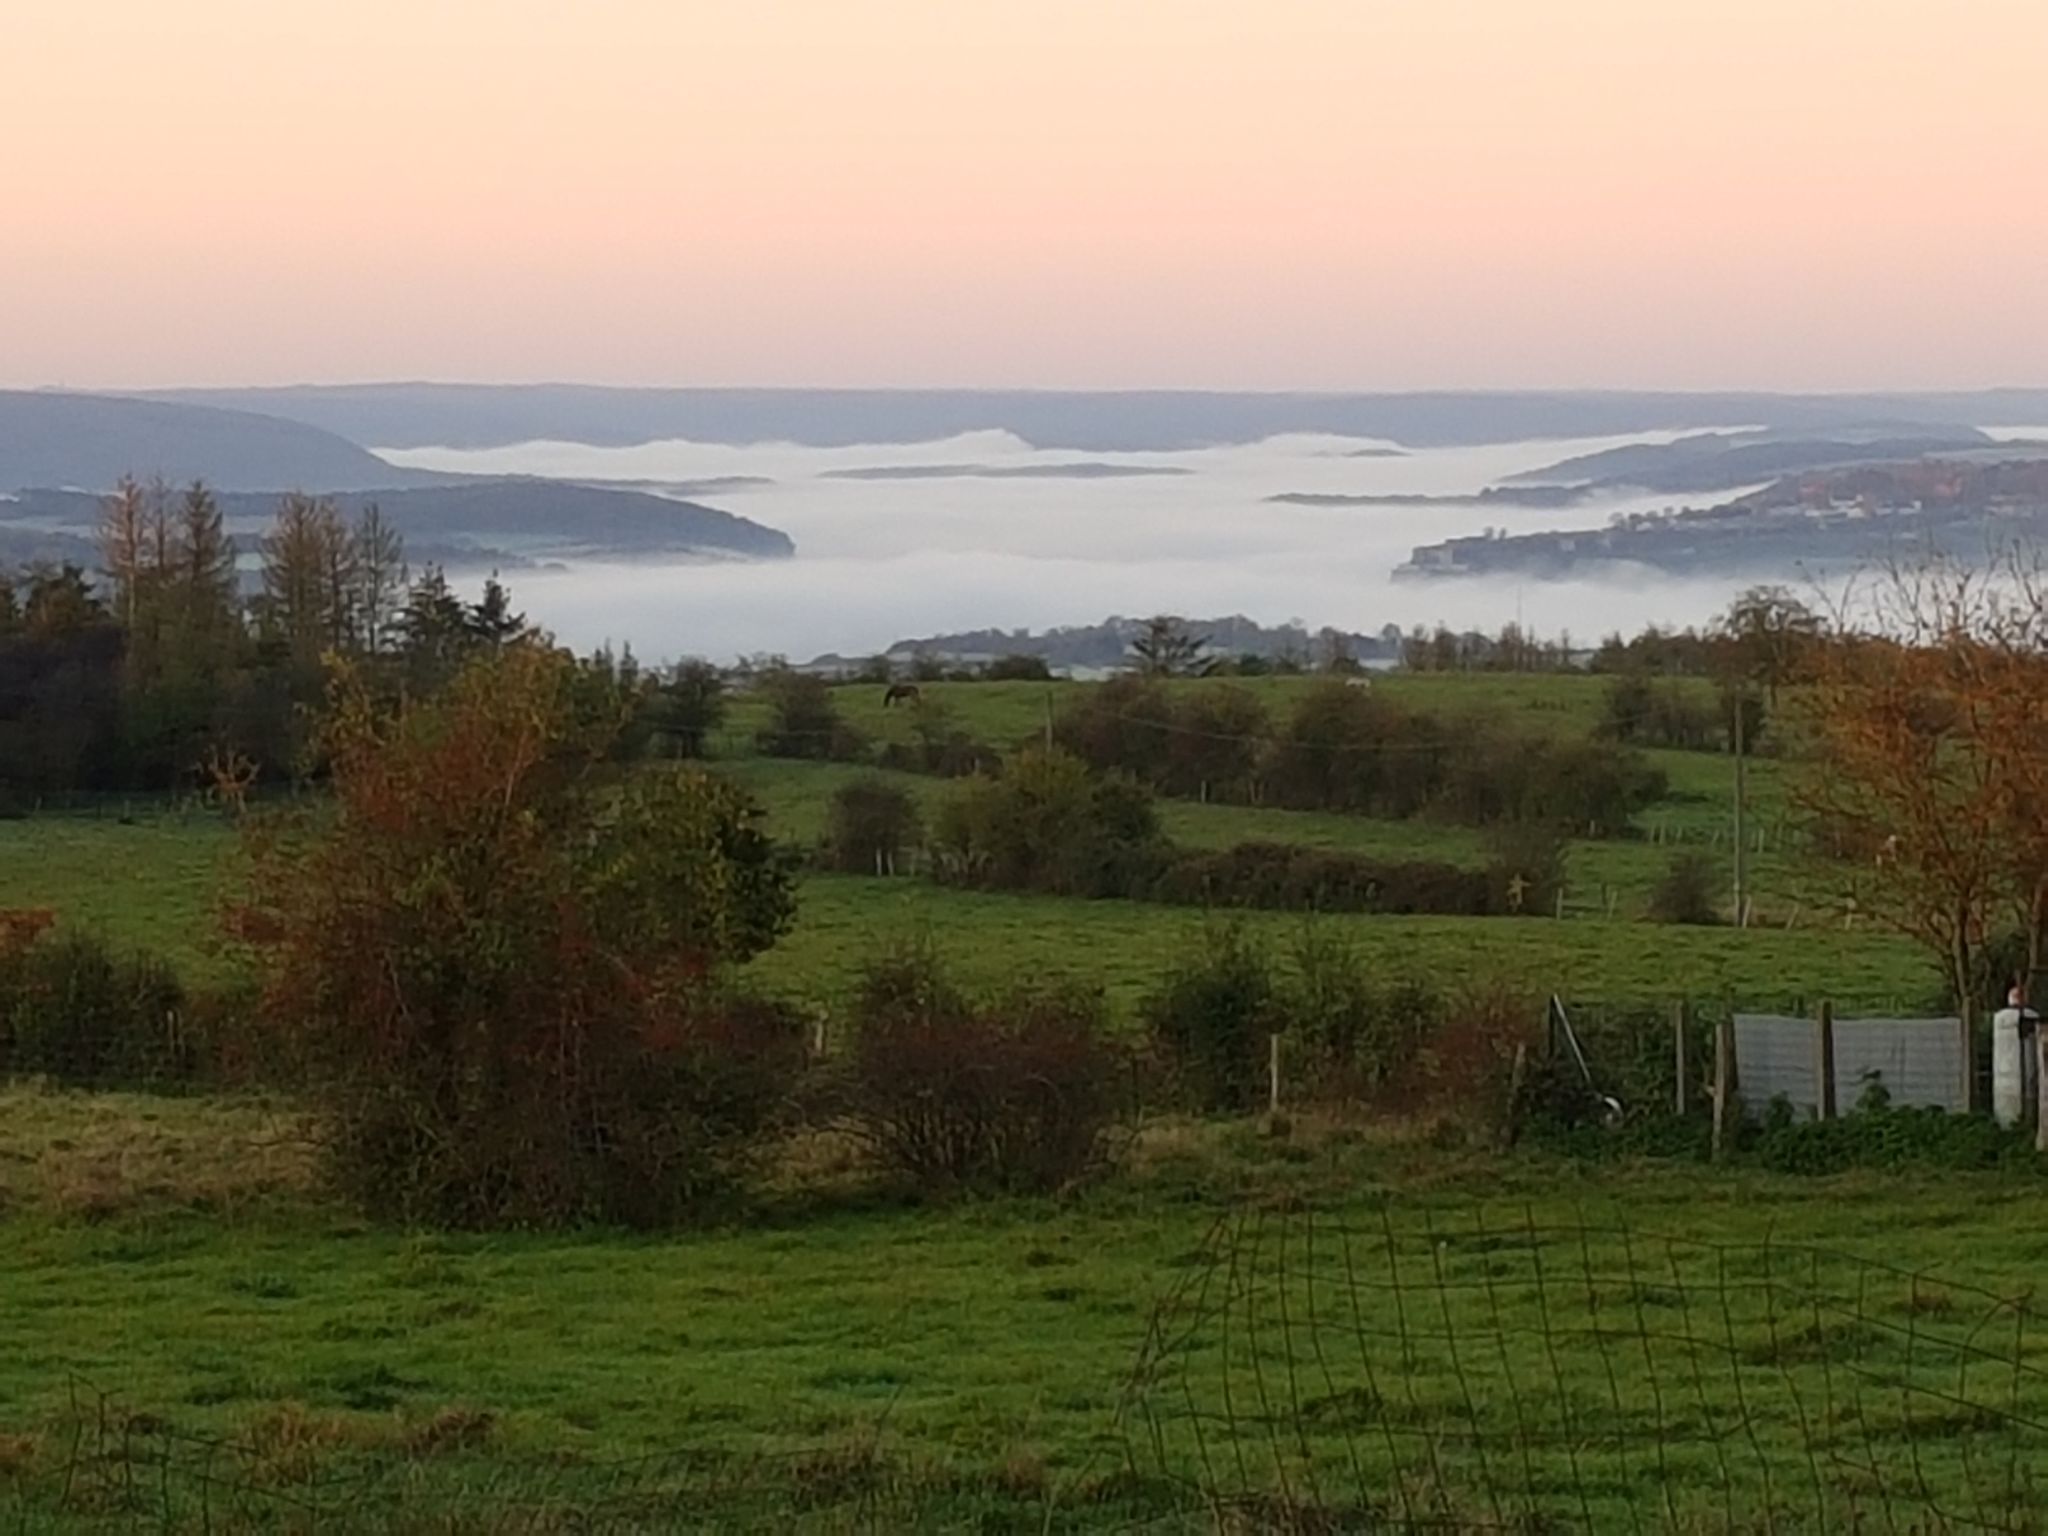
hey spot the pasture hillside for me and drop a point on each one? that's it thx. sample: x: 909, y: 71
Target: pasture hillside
x: 150, y: 876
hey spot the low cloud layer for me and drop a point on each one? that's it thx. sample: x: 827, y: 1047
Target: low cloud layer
x: 881, y: 560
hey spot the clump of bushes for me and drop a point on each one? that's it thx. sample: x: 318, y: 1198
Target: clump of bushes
x: 1210, y: 1018
x: 803, y: 719
x: 1360, y: 1035
x: 1016, y: 1094
x: 1664, y: 712
x: 1346, y: 749
x: 871, y: 827
x: 1292, y: 877
x: 1054, y: 825
x: 939, y: 746
x: 74, y: 1010
x: 1880, y: 1134
x: 1050, y: 824
x: 1687, y: 892
x: 682, y: 709
x: 1346, y: 1034
x: 1018, y: 668
x: 503, y: 966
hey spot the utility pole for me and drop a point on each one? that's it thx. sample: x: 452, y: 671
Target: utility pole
x: 1741, y: 789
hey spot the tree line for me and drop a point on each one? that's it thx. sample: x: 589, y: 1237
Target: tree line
x: 187, y: 658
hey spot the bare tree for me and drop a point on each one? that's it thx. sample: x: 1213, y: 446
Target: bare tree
x: 380, y: 580
x: 1928, y: 713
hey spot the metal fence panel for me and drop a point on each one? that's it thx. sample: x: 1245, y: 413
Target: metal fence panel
x: 1919, y: 1061
x: 1774, y: 1058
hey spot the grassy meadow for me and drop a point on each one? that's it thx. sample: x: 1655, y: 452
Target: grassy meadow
x: 173, y: 1259
x: 1508, y: 1338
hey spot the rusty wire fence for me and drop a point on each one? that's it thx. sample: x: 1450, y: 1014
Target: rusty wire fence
x: 1476, y: 1374
x: 1440, y: 1369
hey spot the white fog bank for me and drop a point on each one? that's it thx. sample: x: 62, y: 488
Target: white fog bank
x: 884, y: 559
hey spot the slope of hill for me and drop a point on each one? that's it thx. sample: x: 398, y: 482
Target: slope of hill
x: 90, y: 441
x: 513, y: 521
x: 416, y: 415
x: 1716, y: 461
x: 1803, y: 525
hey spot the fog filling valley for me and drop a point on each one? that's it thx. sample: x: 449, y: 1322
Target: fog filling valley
x: 985, y: 530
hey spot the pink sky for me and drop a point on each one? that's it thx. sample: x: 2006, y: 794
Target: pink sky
x: 1262, y: 193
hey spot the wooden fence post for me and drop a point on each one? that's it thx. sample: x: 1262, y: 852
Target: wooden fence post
x: 1511, y: 1122
x: 1824, y: 1063
x: 1724, y: 1072
x: 1678, y: 1020
x: 1966, y: 1031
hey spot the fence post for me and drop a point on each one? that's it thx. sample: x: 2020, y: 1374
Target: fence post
x: 1273, y: 1073
x: 1724, y: 1072
x: 2040, y: 1088
x: 1824, y: 1063
x: 1966, y: 1031
x: 1511, y: 1122
x: 1678, y: 1021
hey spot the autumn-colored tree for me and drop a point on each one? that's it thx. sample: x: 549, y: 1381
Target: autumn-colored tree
x: 1928, y: 764
x: 501, y: 960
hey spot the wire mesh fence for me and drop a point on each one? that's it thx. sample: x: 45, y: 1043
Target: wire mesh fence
x: 1316, y: 1373
x: 1440, y: 1369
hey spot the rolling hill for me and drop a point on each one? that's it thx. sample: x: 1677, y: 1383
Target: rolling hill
x: 87, y: 442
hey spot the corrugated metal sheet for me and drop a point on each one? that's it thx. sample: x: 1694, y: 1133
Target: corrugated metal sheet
x: 1774, y: 1058
x: 1919, y: 1061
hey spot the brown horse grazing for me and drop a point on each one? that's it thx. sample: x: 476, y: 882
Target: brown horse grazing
x: 901, y: 693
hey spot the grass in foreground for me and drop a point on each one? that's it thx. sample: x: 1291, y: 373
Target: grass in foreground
x: 984, y: 1353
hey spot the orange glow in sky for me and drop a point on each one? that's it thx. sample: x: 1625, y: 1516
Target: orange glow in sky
x: 1308, y: 194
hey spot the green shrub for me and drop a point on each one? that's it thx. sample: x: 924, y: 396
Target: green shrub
x: 1210, y: 1017
x: 1359, y: 1035
x: 1688, y: 892
x: 1219, y: 736
x: 74, y: 1010
x: 1050, y: 824
x: 1663, y: 713
x: 1016, y: 1095
x: 1879, y: 1134
x: 1124, y: 724
x: 803, y: 720
x: 502, y: 964
x: 1292, y: 877
x: 1018, y: 669
x: 871, y: 828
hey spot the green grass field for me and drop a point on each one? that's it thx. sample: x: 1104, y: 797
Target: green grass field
x: 154, y: 881
x: 170, y: 1256
x: 154, y: 884
x: 193, y: 1335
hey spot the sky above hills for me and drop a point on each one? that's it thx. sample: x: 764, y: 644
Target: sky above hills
x: 1312, y: 194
